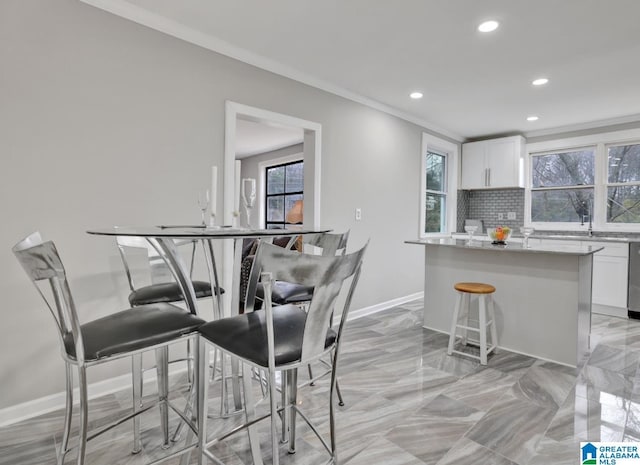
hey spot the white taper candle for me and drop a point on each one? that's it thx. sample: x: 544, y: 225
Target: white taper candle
x: 213, y: 204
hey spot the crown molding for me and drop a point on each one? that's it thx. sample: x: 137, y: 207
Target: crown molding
x: 584, y: 126
x: 173, y: 28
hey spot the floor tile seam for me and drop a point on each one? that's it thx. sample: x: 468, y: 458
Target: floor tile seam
x: 356, y: 456
x: 484, y: 410
x: 556, y: 371
x: 558, y: 404
x: 535, y: 405
x: 544, y: 434
x: 495, y: 452
x: 635, y: 368
x: 627, y: 408
x: 29, y: 440
x: 541, y: 436
x: 633, y: 350
x: 50, y: 438
x: 629, y: 378
x: 504, y: 394
x: 510, y: 379
x: 531, y: 404
x: 395, y: 331
x: 407, y: 452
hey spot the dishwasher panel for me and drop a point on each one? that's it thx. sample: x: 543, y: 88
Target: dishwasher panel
x: 633, y: 293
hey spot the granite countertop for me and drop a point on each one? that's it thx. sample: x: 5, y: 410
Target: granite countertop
x: 580, y: 237
x: 631, y: 237
x: 513, y: 247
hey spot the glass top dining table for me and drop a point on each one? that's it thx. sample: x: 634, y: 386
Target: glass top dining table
x: 162, y: 239
x: 178, y: 231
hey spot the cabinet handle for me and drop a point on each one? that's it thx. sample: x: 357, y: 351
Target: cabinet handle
x: 489, y: 177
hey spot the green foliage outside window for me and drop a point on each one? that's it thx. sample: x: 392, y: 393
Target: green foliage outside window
x: 435, y: 201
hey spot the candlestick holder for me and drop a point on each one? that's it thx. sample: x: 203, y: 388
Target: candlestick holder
x: 203, y: 204
x: 248, y: 197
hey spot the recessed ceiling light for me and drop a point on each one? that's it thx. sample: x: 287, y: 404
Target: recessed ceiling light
x: 488, y: 26
x: 532, y: 118
x: 415, y: 95
x: 540, y: 82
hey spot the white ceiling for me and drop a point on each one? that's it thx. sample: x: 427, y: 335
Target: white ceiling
x: 254, y: 138
x: 474, y: 84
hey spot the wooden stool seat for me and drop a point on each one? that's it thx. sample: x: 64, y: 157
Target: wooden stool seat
x: 475, y: 288
x: 484, y: 294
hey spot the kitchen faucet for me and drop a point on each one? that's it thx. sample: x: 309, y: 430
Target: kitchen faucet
x: 590, y: 215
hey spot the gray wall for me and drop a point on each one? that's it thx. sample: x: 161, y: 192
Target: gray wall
x: 105, y: 122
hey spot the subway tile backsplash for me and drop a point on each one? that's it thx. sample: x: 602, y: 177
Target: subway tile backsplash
x: 487, y: 205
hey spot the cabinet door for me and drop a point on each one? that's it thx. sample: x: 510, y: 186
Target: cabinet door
x: 473, y: 174
x: 609, y: 281
x: 503, y: 162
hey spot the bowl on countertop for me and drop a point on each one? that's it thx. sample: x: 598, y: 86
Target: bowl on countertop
x: 499, y: 235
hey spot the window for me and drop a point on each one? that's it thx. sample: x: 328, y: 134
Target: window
x: 591, y: 180
x: 435, y: 192
x: 438, y: 186
x: 284, y: 187
x: 562, y: 186
x: 623, y: 183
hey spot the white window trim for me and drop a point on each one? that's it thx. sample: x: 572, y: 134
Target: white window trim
x: 452, y: 153
x: 600, y: 141
x: 262, y: 182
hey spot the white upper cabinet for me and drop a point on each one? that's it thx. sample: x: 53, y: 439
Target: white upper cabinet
x: 493, y: 164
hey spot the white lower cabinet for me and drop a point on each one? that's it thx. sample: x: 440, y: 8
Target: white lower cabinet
x: 609, y: 281
x: 610, y: 272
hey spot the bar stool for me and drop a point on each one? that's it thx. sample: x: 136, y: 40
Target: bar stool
x: 485, y: 301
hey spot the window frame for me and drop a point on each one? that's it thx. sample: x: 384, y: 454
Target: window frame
x: 608, y: 184
x: 601, y: 142
x: 451, y: 153
x: 284, y: 194
x: 262, y: 180
x: 569, y: 225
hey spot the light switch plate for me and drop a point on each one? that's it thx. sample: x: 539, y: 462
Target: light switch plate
x: 358, y: 214
x: 501, y: 216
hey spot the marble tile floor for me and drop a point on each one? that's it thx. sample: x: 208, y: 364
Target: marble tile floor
x: 408, y: 403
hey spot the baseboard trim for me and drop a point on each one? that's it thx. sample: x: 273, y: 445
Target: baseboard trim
x: 50, y: 403
x: 609, y: 310
x: 361, y: 312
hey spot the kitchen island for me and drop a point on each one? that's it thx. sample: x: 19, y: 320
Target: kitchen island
x: 542, y: 298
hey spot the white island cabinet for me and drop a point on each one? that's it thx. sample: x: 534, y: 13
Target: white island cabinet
x: 493, y: 164
x: 542, y: 298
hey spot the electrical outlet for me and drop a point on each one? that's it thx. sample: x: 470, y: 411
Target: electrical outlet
x: 511, y: 215
x: 358, y: 214
x: 501, y: 216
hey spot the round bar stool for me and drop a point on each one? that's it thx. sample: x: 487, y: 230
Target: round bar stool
x: 485, y: 305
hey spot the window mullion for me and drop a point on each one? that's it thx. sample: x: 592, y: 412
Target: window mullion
x: 280, y: 195
x: 600, y: 188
